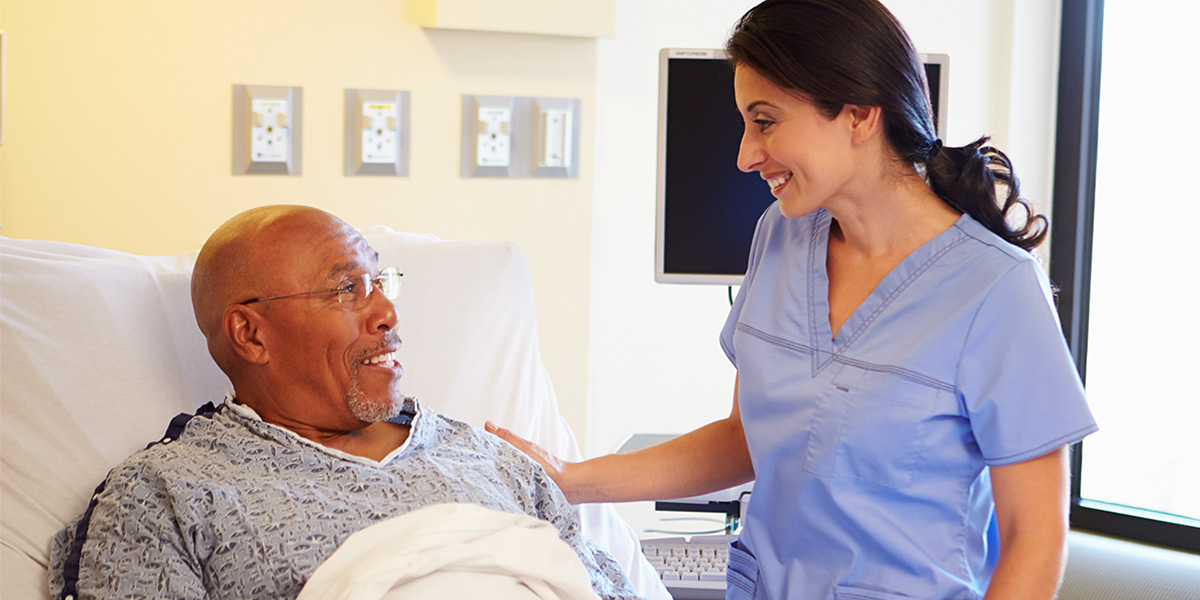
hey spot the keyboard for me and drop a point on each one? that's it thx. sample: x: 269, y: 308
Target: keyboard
x: 691, y: 568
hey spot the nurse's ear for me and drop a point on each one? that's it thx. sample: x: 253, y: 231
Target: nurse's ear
x: 865, y: 122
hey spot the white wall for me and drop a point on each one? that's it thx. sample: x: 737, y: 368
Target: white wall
x: 654, y: 364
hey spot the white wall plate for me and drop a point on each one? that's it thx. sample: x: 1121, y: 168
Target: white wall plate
x: 377, y: 132
x: 266, y: 129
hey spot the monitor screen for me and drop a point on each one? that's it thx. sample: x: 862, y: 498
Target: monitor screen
x: 707, y: 208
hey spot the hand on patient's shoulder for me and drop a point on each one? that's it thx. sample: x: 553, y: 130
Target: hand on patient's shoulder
x: 553, y: 465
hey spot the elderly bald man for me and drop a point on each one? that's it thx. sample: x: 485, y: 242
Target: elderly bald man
x: 247, y: 499
x: 261, y: 332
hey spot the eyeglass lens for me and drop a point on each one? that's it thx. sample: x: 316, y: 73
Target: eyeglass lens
x: 387, y: 282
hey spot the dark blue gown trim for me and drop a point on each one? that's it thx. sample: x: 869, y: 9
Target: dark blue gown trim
x: 74, y: 554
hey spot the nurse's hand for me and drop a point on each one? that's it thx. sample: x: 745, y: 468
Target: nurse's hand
x: 554, y: 466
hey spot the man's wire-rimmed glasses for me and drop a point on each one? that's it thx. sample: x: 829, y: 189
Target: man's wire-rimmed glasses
x: 354, y: 294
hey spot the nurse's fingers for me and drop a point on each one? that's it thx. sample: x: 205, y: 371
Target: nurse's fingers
x: 552, y: 464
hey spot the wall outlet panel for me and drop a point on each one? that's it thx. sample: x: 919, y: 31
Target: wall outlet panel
x: 493, y: 136
x: 494, y: 128
x: 377, y: 132
x: 266, y: 129
x: 555, y: 134
x: 514, y: 136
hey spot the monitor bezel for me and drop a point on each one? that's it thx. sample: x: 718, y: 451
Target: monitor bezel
x: 943, y: 63
x: 660, y: 275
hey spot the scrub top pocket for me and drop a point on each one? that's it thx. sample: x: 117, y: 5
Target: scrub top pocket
x: 741, y: 576
x: 870, y: 426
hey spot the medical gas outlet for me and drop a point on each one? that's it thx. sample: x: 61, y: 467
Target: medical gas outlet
x: 376, y: 132
x: 266, y: 129
x: 493, y: 140
x: 511, y: 136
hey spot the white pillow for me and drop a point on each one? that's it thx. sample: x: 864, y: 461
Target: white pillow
x: 99, y: 350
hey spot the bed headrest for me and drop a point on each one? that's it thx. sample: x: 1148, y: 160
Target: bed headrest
x: 99, y: 349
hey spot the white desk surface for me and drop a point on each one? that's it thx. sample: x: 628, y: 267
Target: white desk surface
x: 648, y: 523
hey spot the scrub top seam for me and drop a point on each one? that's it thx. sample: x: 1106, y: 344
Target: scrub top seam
x: 776, y: 340
x: 966, y: 339
x: 901, y: 372
x: 1046, y: 448
x: 728, y: 352
x: 903, y: 285
x: 1008, y: 251
x: 820, y: 225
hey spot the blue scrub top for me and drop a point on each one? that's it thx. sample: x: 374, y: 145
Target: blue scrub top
x: 870, y: 450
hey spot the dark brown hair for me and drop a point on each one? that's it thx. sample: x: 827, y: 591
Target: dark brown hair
x: 837, y: 52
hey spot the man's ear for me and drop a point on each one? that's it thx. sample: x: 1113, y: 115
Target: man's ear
x: 241, y: 325
x: 865, y: 121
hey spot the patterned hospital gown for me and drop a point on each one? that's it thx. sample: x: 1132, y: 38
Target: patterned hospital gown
x: 238, y: 508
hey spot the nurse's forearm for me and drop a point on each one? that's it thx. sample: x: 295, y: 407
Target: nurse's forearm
x: 1032, y: 502
x: 711, y: 458
x: 1029, y: 569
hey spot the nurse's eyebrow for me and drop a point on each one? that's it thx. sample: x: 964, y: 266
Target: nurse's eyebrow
x: 758, y: 103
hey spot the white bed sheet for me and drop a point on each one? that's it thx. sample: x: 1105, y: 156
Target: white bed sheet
x: 452, y: 552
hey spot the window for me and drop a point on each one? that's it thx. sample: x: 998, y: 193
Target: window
x: 1123, y: 253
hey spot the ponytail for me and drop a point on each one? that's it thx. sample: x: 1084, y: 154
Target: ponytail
x: 968, y: 178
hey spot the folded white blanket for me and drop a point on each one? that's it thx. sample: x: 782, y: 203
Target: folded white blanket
x: 452, y: 551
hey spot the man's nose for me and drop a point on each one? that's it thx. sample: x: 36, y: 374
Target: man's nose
x: 382, y: 312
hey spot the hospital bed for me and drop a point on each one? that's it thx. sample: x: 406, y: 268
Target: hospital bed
x: 99, y: 350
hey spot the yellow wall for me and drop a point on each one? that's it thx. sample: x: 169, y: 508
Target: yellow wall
x: 586, y: 18
x: 119, y: 117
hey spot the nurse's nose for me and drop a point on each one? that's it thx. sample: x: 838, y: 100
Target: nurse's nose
x: 750, y: 152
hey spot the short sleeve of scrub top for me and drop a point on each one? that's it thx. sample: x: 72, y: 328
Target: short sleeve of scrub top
x: 1015, y: 368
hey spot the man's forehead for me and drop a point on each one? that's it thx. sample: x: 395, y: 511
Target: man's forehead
x: 356, y: 262
x: 324, y: 248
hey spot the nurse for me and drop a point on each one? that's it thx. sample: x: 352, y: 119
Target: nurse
x: 904, y: 399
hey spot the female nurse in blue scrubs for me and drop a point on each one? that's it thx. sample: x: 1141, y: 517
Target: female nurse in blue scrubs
x: 904, y: 399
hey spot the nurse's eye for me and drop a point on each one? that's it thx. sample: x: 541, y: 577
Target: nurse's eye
x: 763, y: 124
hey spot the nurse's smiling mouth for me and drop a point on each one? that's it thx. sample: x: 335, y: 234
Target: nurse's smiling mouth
x: 777, y: 182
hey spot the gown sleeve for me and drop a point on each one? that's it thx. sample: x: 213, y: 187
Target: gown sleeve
x: 135, y: 547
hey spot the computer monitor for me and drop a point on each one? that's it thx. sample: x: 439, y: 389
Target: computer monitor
x: 707, y: 208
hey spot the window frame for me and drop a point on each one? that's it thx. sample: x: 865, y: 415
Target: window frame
x: 1072, y: 215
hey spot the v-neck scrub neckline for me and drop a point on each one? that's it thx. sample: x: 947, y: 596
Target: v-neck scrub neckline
x: 894, y: 283
x: 871, y: 450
